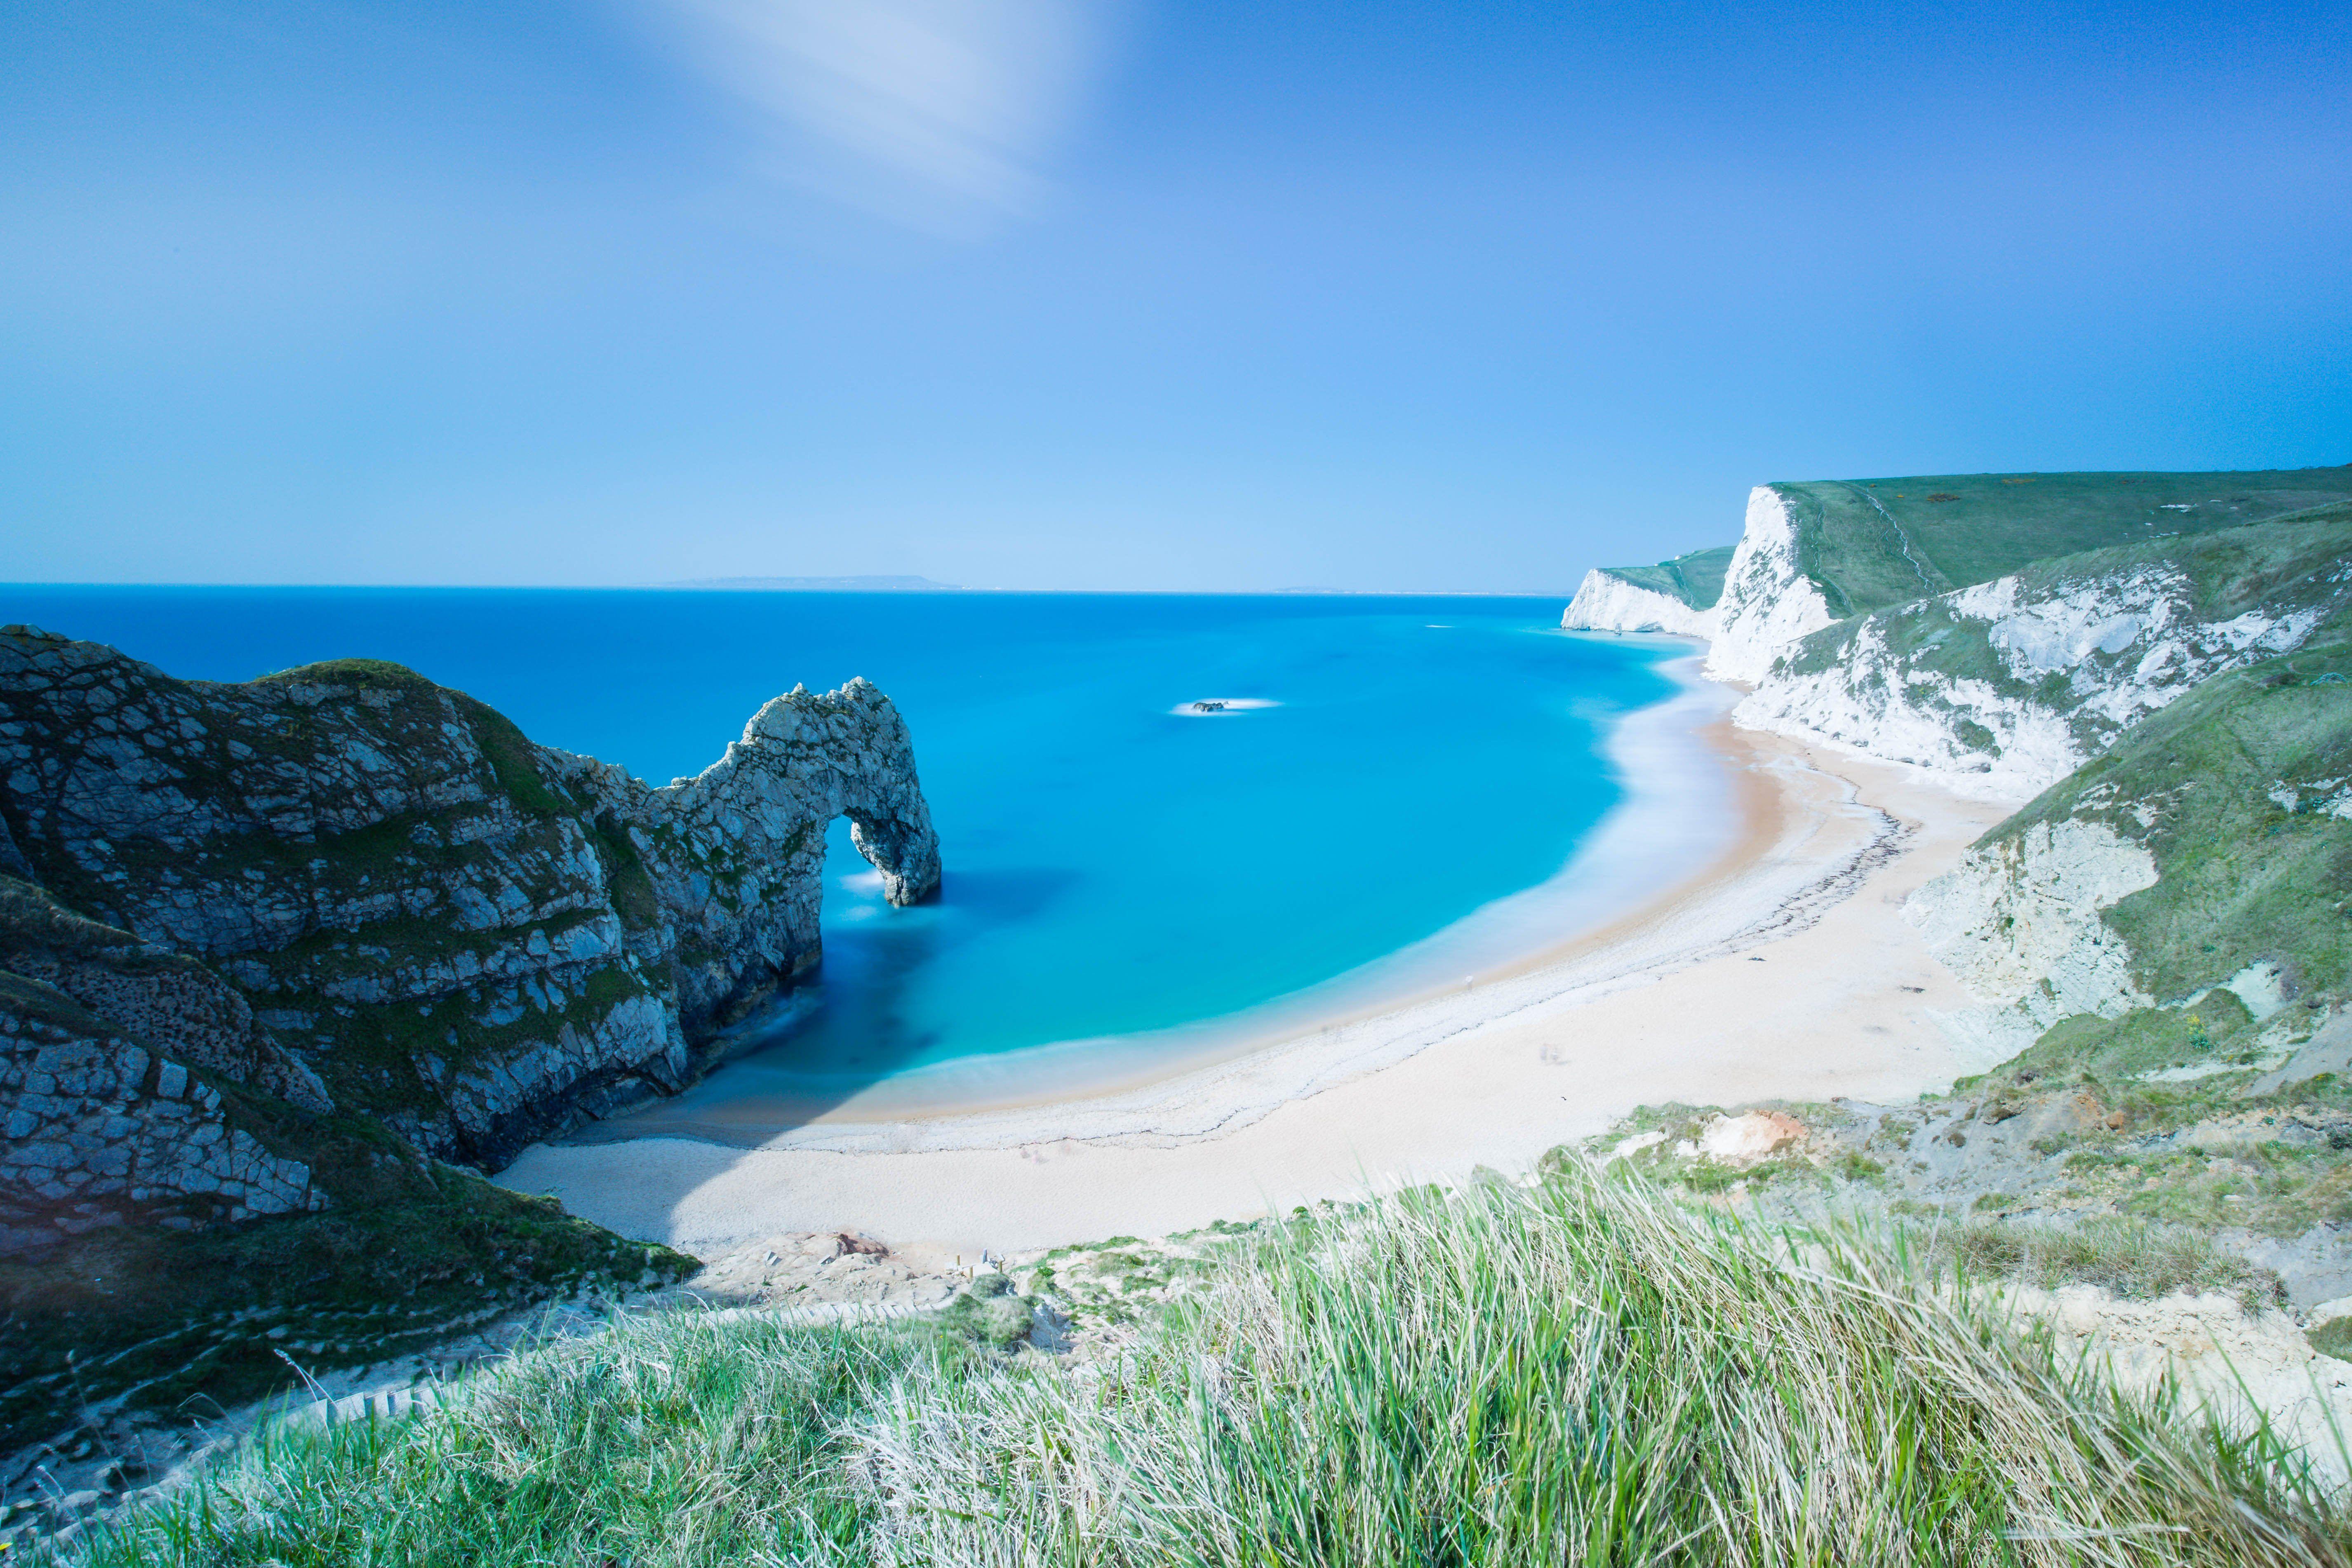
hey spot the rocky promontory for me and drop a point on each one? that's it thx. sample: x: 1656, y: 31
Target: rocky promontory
x: 344, y: 886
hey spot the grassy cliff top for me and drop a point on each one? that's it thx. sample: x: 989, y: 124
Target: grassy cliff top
x: 1696, y: 579
x: 2278, y: 564
x: 1870, y: 543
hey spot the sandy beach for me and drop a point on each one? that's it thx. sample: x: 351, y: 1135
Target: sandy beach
x: 1783, y: 970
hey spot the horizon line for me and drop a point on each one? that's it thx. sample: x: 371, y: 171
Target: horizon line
x: 718, y: 586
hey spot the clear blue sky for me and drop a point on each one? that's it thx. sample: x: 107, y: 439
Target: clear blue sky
x: 1041, y: 293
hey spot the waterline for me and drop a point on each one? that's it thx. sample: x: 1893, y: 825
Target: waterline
x: 1676, y: 817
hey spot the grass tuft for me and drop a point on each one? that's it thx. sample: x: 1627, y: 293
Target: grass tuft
x: 2128, y: 1257
x: 1579, y: 1371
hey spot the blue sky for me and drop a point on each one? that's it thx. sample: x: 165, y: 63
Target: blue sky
x: 1044, y: 293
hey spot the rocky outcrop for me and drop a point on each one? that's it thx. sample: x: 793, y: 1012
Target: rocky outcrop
x: 148, y: 993
x: 1676, y: 596
x: 473, y: 939
x: 1769, y: 600
x: 2004, y: 688
x: 103, y: 1128
x: 2195, y: 857
x: 1606, y: 600
x: 101, y: 1132
x: 733, y: 857
x: 2020, y: 923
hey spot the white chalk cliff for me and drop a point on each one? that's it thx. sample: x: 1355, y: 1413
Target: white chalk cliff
x: 2019, y: 922
x: 1999, y: 688
x: 2003, y: 689
x: 1606, y: 602
x: 1769, y: 602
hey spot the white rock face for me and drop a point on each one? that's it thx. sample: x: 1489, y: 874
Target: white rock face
x: 1880, y: 701
x: 1767, y: 602
x: 2019, y: 924
x: 1605, y: 602
x: 2123, y: 646
x: 2333, y: 796
x: 2234, y: 1365
x: 2261, y: 986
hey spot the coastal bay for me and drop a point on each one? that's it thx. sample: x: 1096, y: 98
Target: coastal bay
x: 1746, y: 965
x: 945, y: 785
x: 1681, y: 814
x: 1780, y: 969
x: 1117, y: 870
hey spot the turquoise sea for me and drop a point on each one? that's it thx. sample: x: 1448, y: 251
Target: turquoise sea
x: 1121, y: 875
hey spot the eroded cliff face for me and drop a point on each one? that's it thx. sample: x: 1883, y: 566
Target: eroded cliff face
x: 101, y: 1129
x: 732, y: 858
x: 1607, y: 603
x: 473, y: 939
x: 2004, y: 688
x: 2020, y: 923
x: 2198, y: 867
x: 1768, y: 602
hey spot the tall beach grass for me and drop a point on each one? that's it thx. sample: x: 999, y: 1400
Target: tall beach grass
x: 1579, y: 1372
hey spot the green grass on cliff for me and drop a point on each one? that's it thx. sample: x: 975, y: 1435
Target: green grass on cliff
x: 1696, y: 579
x: 2288, y: 565
x: 1870, y: 543
x: 2237, y: 779
x: 182, y: 1325
x: 1579, y: 1372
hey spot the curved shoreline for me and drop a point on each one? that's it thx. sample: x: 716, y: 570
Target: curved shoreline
x: 1782, y: 973
x: 1775, y: 881
x: 1677, y: 773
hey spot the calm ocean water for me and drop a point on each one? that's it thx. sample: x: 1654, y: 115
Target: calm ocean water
x: 1113, y: 868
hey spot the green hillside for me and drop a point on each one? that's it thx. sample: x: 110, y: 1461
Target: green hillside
x: 2248, y: 784
x: 2279, y: 567
x: 1582, y: 1372
x: 1870, y: 543
x: 1696, y: 579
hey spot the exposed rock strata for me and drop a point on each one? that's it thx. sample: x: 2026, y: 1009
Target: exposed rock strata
x: 2195, y: 858
x: 2020, y: 923
x: 100, y: 1131
x: 1768, y: 602
x: 2006, y: 687
x: 1608, y: 603
x: 734, y: 855
x: 105, y: 1042
x: 472, y: 937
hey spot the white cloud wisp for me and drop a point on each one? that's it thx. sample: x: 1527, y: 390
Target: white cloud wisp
x: 909, y: 104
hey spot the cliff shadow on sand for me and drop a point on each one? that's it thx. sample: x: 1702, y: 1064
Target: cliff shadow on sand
x: 849, y: 1027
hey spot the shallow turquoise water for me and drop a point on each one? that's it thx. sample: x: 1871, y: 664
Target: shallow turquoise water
x: 1113, y: 868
